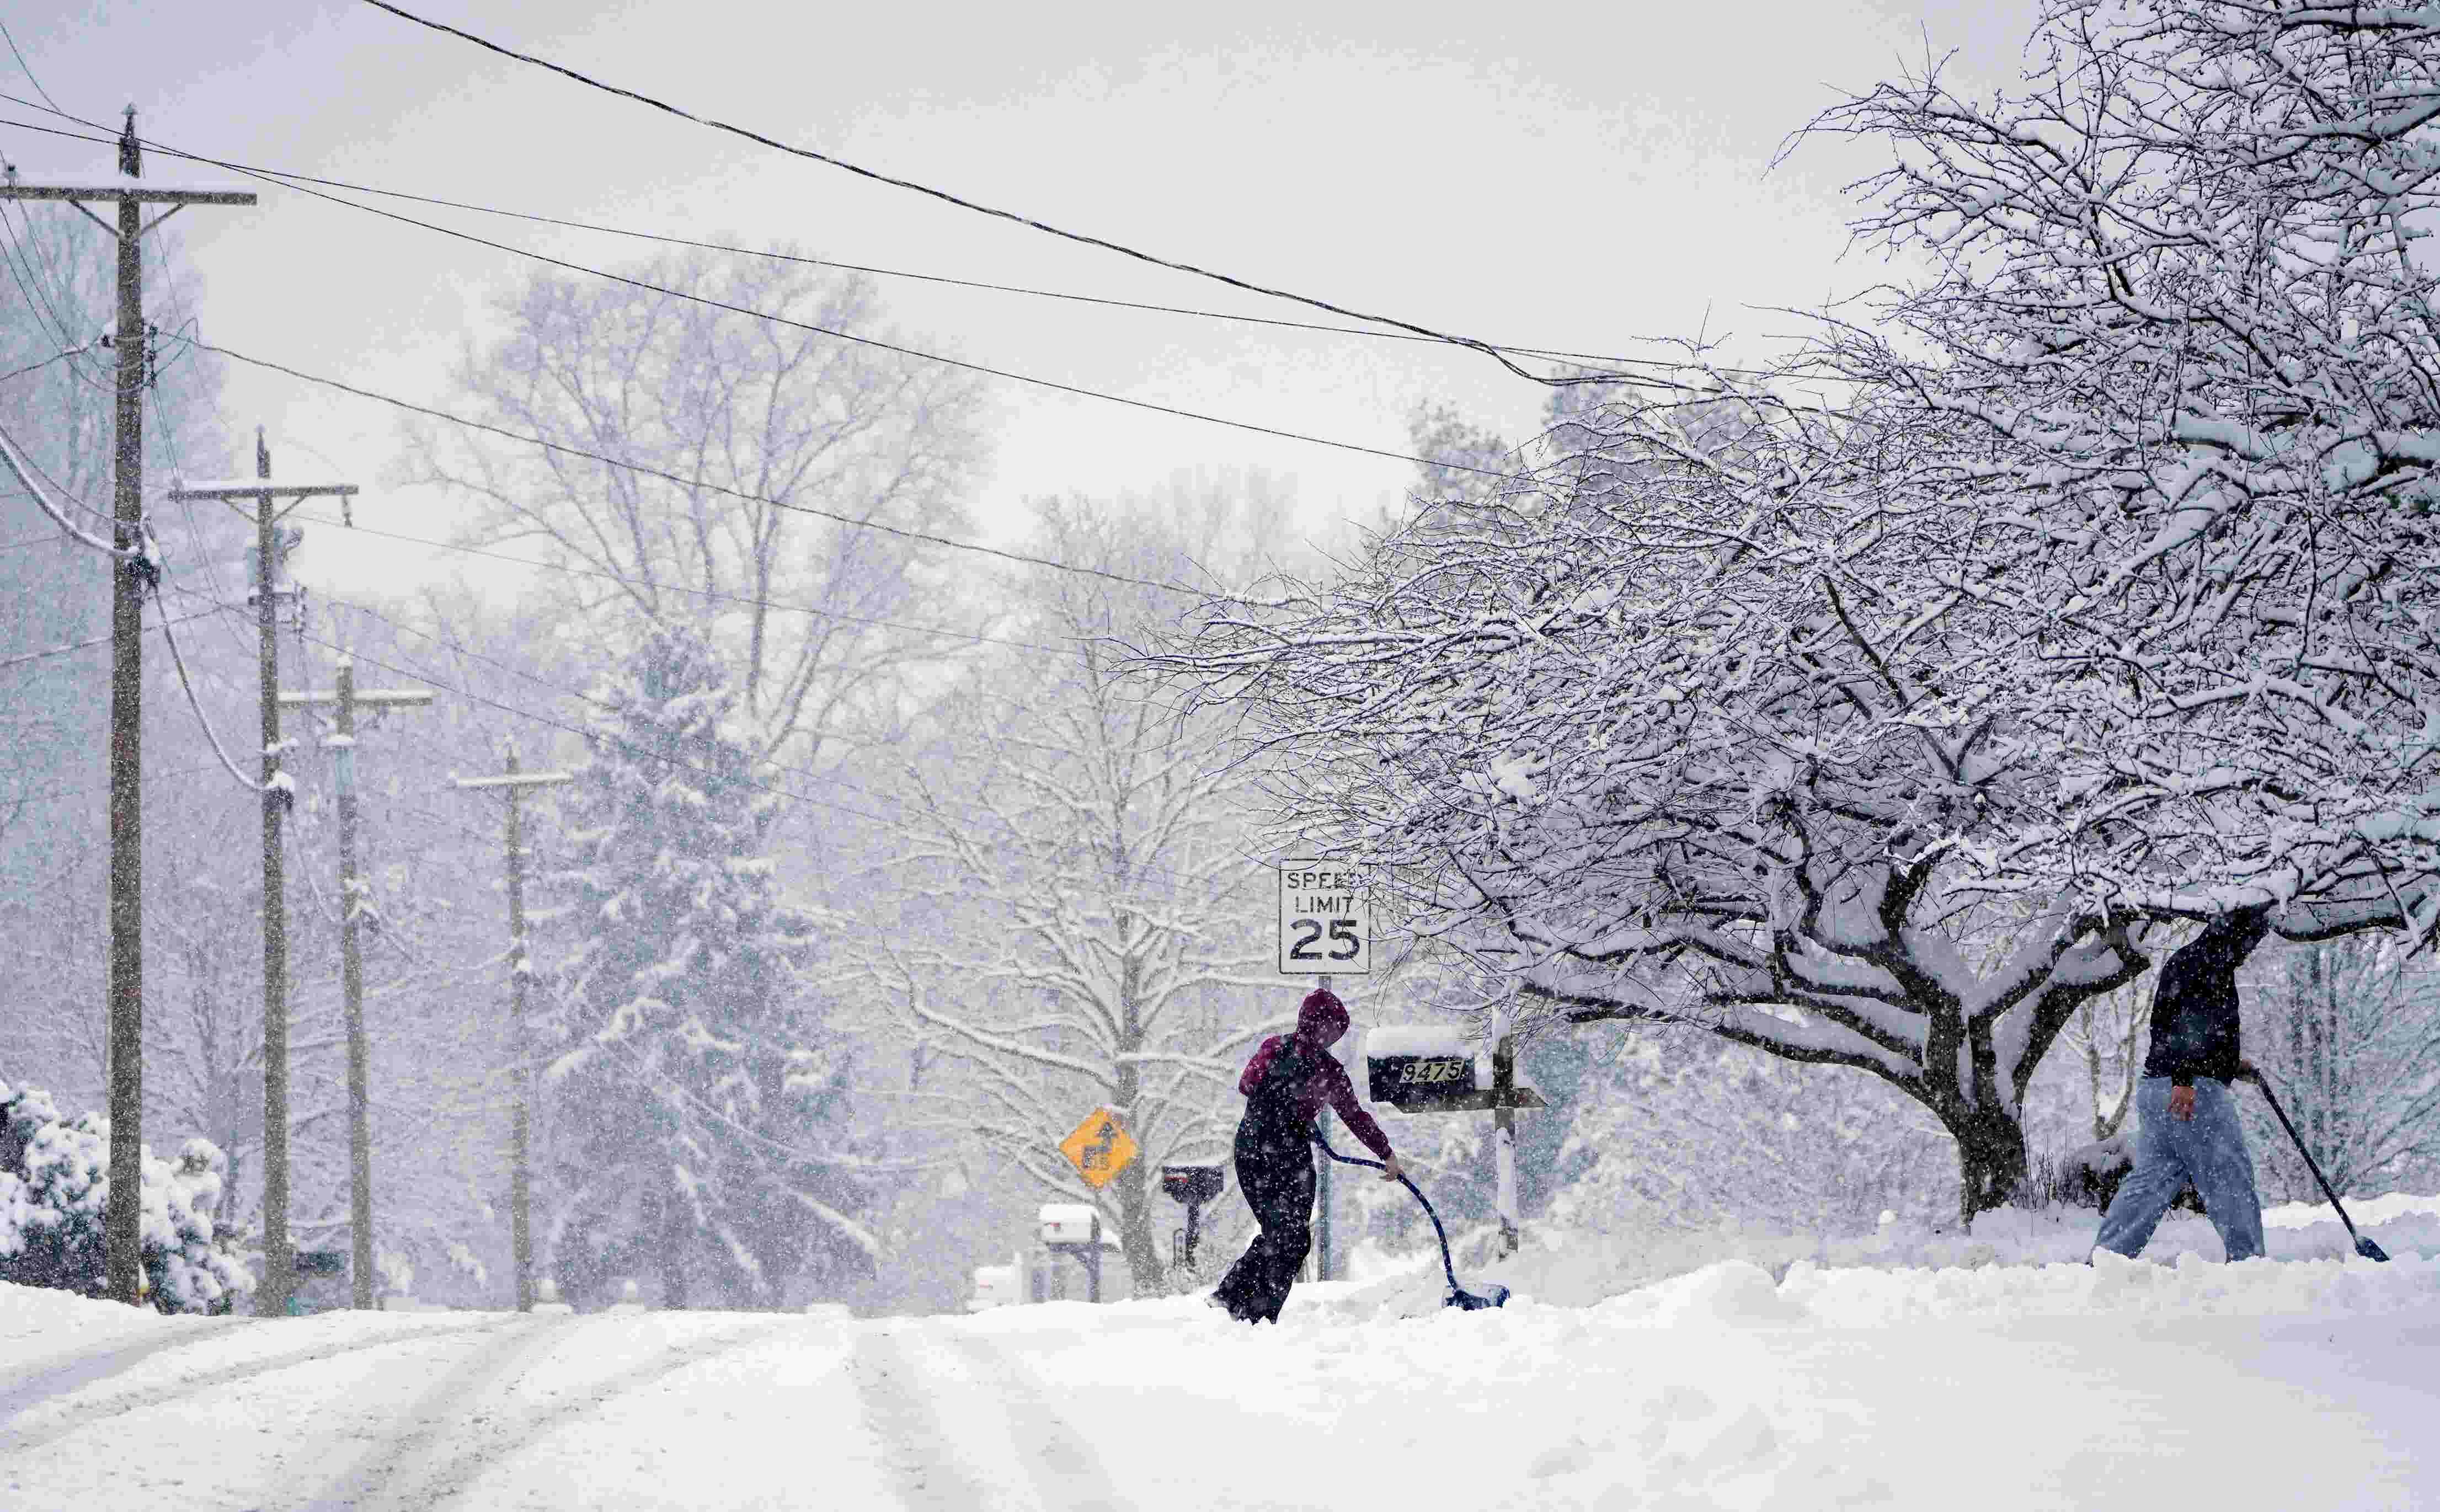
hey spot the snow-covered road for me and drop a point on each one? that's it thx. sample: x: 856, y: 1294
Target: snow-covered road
x: 2271, y: 1385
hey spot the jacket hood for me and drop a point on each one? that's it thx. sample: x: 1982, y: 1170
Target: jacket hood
x: 1321, y: 1019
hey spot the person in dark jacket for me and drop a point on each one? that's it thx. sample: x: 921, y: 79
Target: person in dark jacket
x: 2187, y: 1129
x: 1284, y: 1085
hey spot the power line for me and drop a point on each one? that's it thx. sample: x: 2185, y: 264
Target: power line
x: 1486, y: 348
x: 27, y: 69
x: 586, y: 698
x: 595, y: 734
x: 875, y: 342
x: 29, y: 657
x: 675, y: 587
x: 38, y: 367
x: 1052, y: 384
x: 20, y: 465
x: 289, y: 179
x: 653, y: 472
x: 545, y: 719
x: 45, y: 795
x: 249, y: 783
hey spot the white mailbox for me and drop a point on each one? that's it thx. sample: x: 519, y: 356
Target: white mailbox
x: 996, y: 1287
x: 1068, y: 1223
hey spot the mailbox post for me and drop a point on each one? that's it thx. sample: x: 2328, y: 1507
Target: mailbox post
x: 1192, y: 1185
x: 1431, y: 1068
x: 1074, y: 1229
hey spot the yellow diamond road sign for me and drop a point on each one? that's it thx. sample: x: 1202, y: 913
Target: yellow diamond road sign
x: 1099, y: 1149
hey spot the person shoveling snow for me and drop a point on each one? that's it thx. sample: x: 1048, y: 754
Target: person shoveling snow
x: 2187, y: 1129
x: 1284, y: 1085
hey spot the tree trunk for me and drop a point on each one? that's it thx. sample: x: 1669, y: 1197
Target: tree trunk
x: 673, y: 1247
x: 1147, y: 1270
x: 1991, y: 1160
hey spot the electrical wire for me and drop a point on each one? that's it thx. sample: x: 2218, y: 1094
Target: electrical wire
x: 1468, y: 342
x: 595, y: 734
x: 38, y: 367
x: 18, y: 465
x: 249, y: 783
x: 28, y: 657
x: 289, y: 179
x: 875, y: 342
x: 714, y: 488
x: 674, y: 588
x: 878, y: 344
x: 46, y: 794
x: 586, y: 698
x: 545, y: 719
x: 27, y: 69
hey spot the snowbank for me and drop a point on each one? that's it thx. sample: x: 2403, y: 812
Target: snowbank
x: 2011, y: 1262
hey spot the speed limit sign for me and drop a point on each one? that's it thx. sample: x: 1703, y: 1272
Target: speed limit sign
x: 1325, y: 919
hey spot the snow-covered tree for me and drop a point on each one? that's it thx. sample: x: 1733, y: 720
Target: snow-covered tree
x: 55, y: 1194
x: 1659, y: 732
x: 1080, y: 923
x: 2178, y: 350
x: 698, y: 1102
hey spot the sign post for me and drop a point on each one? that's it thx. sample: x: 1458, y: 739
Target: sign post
x: 1325, y: 931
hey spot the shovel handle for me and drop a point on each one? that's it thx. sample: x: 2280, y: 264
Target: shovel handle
x: 1447, y: 1266
x: 2298, y: 1140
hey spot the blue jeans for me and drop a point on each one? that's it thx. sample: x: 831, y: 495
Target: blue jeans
x: 2208, y: 1150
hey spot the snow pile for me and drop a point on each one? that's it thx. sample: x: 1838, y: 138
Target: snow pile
x: 2386, y: 1209
x: 1579, y: 1269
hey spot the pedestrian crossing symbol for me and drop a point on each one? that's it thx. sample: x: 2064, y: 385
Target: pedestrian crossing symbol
x: 1099, y: 1149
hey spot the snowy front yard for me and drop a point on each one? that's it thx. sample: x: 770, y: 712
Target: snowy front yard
x: 2004, y: 1387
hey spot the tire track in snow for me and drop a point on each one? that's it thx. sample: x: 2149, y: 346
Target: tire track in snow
x: 438, y: 1409
x: 88, y: 1415
x: 412, y: 1474
x: 899, y: 1413
x: 1067, y: 1473
x: 902, y: 1412
x: 59, y: 1375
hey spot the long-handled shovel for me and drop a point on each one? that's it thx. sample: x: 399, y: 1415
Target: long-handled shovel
x: 2364, y: 1246
x: 1457, y: 1297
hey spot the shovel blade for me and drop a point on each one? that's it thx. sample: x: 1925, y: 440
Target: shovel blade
x: 2368, y: 1250
x: 1468, y: 1302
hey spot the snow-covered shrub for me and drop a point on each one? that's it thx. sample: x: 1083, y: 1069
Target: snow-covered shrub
x: 55, y: 1201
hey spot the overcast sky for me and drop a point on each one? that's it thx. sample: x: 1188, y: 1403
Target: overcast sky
x: 1586, y: 177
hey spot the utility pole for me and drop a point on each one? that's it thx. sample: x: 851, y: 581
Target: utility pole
x: 351, y: 962
x: 131, y: 579
x: 521, y: 1119
x: 278, y: 795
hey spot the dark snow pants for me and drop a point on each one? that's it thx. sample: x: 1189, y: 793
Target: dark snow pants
x: 1275, y: 1171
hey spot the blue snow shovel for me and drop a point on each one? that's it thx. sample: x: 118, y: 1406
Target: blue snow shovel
x: 1458, y: 1296
x: 2364, y: 1246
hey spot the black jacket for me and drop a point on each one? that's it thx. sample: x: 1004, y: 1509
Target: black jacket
x: 2194, y: 1011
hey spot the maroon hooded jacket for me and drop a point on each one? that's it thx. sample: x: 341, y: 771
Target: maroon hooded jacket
x: 1320, y: 1019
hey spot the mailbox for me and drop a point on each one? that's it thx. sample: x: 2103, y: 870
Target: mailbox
x: 1426, y: 1067
x: 995, y: 1286
x: 1190, y: 1184
x: 1069, y: 1223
